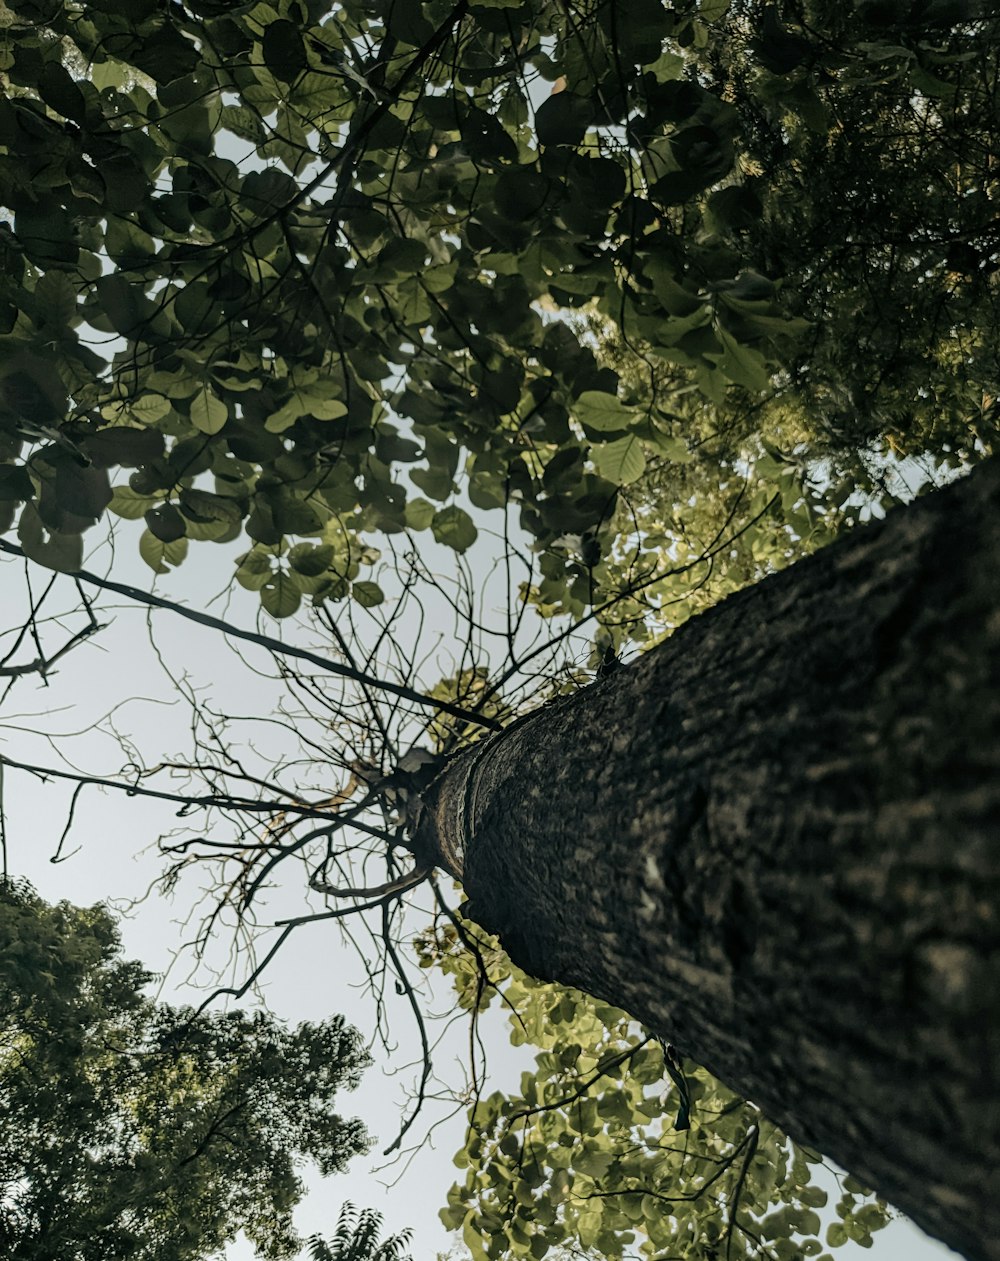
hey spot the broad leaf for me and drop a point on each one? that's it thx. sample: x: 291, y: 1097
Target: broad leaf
x: 454, y: 527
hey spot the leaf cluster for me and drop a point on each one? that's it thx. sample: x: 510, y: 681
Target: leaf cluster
x: 356, y: 1238
x: 289, y: 262
x: 610, y: 1144
x: 867, y: 184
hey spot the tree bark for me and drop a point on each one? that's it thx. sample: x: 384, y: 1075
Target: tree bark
x: 775, y: 840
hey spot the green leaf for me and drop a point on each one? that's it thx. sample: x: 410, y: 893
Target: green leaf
x: 520, y: 193
x: 243, y: 122
x: 80, y: 490
x: 472, y: 1237
x: 160, y: 556
x: 326, y: 408
x: 128, y: 244
x: 836, y: 1235
x: 589, y: 1227
x: 743, y: 364
x: 123, y: 302
x: 56, y: 299
x: 671, y: 445
x: 439, y: 278
x: 15, y: 485
x: 486, y: 490
x: 254, y: 570
x: 305, y: 402
x: 712, y: 10
x: 367, y: 594
x: 454, y: 527
x: 127, y: 503
x: 122, y: 446
x: 389, y: 447
x: 778, y: 49
x: 280, y: 596
x: 58, y: 90
x: 735, y: 207
x: 435, y: 481
x: 562, y: 119
x: 413, y: 306
x: 208, y: 413
x: 669, y: 65
x: 675, y: 297
x: 148, y: 408
x: 621, y: 461
x: 209, y: 516
x: 641, y: 29
x: 166, y: 523
x: 309, y: 559
x: 284, y: 417
x: 419, y: 513
x: 293, y: 515
x: 284, y: 50
x: 601, y: 411
x: 172, y: 385
x: 62, y: 552
x: 47, y: 234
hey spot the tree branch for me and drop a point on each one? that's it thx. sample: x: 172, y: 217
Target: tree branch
x: 204, y: 802
x: 408, y: 881
x: 42, y: 665
x: 274, y: 645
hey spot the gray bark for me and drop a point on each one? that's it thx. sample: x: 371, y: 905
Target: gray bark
x: 775, y: 840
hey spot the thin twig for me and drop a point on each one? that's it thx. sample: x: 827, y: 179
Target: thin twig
x: 273, y: 645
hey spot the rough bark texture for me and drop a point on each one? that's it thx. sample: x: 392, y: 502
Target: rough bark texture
x: 775, y: 840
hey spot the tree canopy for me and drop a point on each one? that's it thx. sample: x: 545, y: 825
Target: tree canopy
x: 292, y: 264
x: 356, y: 1238
x: 136, y: 1129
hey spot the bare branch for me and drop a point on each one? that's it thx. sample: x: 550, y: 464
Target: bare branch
x: 274, y: 645
x: 408, y: 881
x: 204, y: 802
x: 42, y: 665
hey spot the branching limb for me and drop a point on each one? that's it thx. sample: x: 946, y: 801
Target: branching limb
x: 734, y: 1203
x: 42, y: 665
x: 287, y: 927
x: 203, y: 802
x: 418, y: 1016
x: 275, y: 645
x: 400, y: 885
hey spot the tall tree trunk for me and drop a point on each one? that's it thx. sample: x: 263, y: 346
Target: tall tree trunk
x: 775, y: 840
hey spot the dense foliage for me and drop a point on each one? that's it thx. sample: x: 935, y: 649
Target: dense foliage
x: 615, y: 1144
x: 271, y: 257
x: 134, y: 1129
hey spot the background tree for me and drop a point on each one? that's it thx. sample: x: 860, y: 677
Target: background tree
x: 356, y: 1239
x: 136, y: 1129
